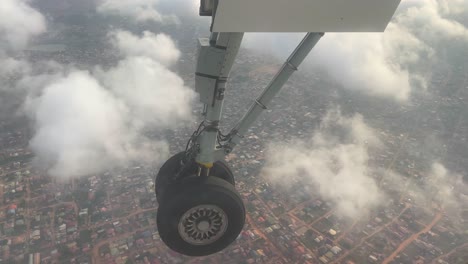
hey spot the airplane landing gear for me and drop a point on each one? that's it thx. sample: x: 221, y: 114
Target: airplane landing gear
x: 200, y: 212
x: 175, y: 169
x: 197, y: 215
x: 200, y: 215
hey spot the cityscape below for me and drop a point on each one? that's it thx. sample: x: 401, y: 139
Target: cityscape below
x: 110, y: 216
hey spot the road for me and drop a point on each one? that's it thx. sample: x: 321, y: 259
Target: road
x: 412, y: 238
x: 277, y: 219
x: 371, y: 235
x: 450, y: 253
x: 327, y: 214
x: 95, y: 252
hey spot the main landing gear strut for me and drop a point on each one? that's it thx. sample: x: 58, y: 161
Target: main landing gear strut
x: 200, y: 212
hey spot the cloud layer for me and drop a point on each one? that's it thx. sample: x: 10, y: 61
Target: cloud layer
x: 335, y: 161
x: 145, y: 46
x: 90, y: 121
x: 81, y: 128
x: 390, y: 65
x: 137, y: 10
x: 19, y: 22
x: 93, y: 119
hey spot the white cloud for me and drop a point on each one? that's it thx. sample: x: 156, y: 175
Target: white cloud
x: 453, y: 7
x: 19, y: 22
x: 357, y: 63
x: 155, y: 94
x: 159, y: 47
x: 335, y: 161
x: 430, y: 20
x: 139, y: 10
x: 389, y: 65
x: 445, y: 188
x: 184, y: 8
x: 87, y: 122
x: 11, y: 67
x: 81, y: 128
x: 144, y: 82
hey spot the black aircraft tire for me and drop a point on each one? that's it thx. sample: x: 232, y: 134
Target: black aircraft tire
x: 200, y: 216
x: 172, y: 165
x: 168, y: 170
x: 221, y: 170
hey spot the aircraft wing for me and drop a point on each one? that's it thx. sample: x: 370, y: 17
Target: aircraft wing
x: 303, y: 15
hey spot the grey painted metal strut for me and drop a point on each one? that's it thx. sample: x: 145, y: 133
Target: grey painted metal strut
x: 215, y: 60
x: 259, y: 105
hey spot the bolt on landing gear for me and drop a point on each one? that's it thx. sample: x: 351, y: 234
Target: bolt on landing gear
x: 197, y: 215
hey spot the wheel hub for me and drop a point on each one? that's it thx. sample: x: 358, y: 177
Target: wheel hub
x: 203, y: 224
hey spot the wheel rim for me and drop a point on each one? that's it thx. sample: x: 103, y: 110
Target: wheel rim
x: 203, y: 224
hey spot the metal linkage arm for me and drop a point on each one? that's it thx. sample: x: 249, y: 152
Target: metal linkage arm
x: 291, y: 65
x: 216, y: 57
